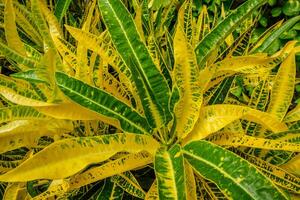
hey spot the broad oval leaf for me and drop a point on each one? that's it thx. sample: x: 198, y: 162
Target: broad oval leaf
x: 233, y: 175
x: 151, y: 85
x: 51, y: 162
x: 169, y: 170
x: 101, y: 102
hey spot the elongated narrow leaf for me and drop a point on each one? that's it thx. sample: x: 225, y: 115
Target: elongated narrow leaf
x: 19, y: 113
x: 254, y: 63
x: 213, y: 39
x: 111, y: 168
x: 275, y: 34
x: 28, y: 133
x: 41, y: 24
x: 11, y: 33
x: 51, y: 162
x: 216, y: 117
x: 22, y: 92
x: 61, y: 8
x: 235, y: 140
x: 190, y: 182
x: 152, y: 87
x: 102, y: 103
x: 129, y: 184
x: 187, y: 80
x: 24, y: 62
x: 283, y: 88
x: 73, y: 111
x: 233, y: 175
x: 276, y: 174
x: 25, y: 20
x: 169, y: 169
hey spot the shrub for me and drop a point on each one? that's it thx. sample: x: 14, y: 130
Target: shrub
x: 86, y: 109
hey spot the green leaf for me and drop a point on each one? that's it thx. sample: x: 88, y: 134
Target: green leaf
x: 110, y: 191
x: 152, y: 87
x: 276, y: 12
x: 61, y: 8
x: 102, y: 103
x: 19, y: 112
x: 291, y: 7
x: 234, y: 176
x: 213, y: 39
x: 169, y: 169
x: 275, y: 34
x: 128, y: 183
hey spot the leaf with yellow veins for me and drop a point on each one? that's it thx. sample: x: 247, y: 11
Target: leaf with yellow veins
x: 68, y: 156
x: 23, y: 93
x: 15, y: 191
x: 129, y: 184
x: 278, y: 175
x: 215, y: 117
x: 236, y: 140
x: 11, y: 33
x: 26, y: 133
x: 191, y: 192
x: 152, y: 194
x: 72, y: 111
x: 293, y: 166
x: 283, y: 88
x: 169, y: 170
x: 254, y: 63
x: 186, y: 75
x: 111, y: 168
x: 293, y: 115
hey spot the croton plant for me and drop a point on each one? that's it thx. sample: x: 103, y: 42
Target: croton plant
x: 127, y: 99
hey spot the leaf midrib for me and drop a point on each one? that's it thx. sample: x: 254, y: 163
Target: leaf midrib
x: 109, y: 110
x: 216, y: 168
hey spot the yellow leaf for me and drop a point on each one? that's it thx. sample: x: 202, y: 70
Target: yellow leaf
x: 11, y: 33
x: 186, y: 74
x: 254, y: 63
x: 152, y: 194
x: 123, y: 164
x: 215, y: 117
x: 25, y: 133
x: 14, y: 191
x: 73, y: 111
x: 293, y: 115
x: 236, y: 140
x: 191, y: 193
x: 283, y: 88
x: 68, y: 156
x: 293, y: 166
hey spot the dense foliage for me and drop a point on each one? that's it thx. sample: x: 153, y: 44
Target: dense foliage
x: 132, y: 99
